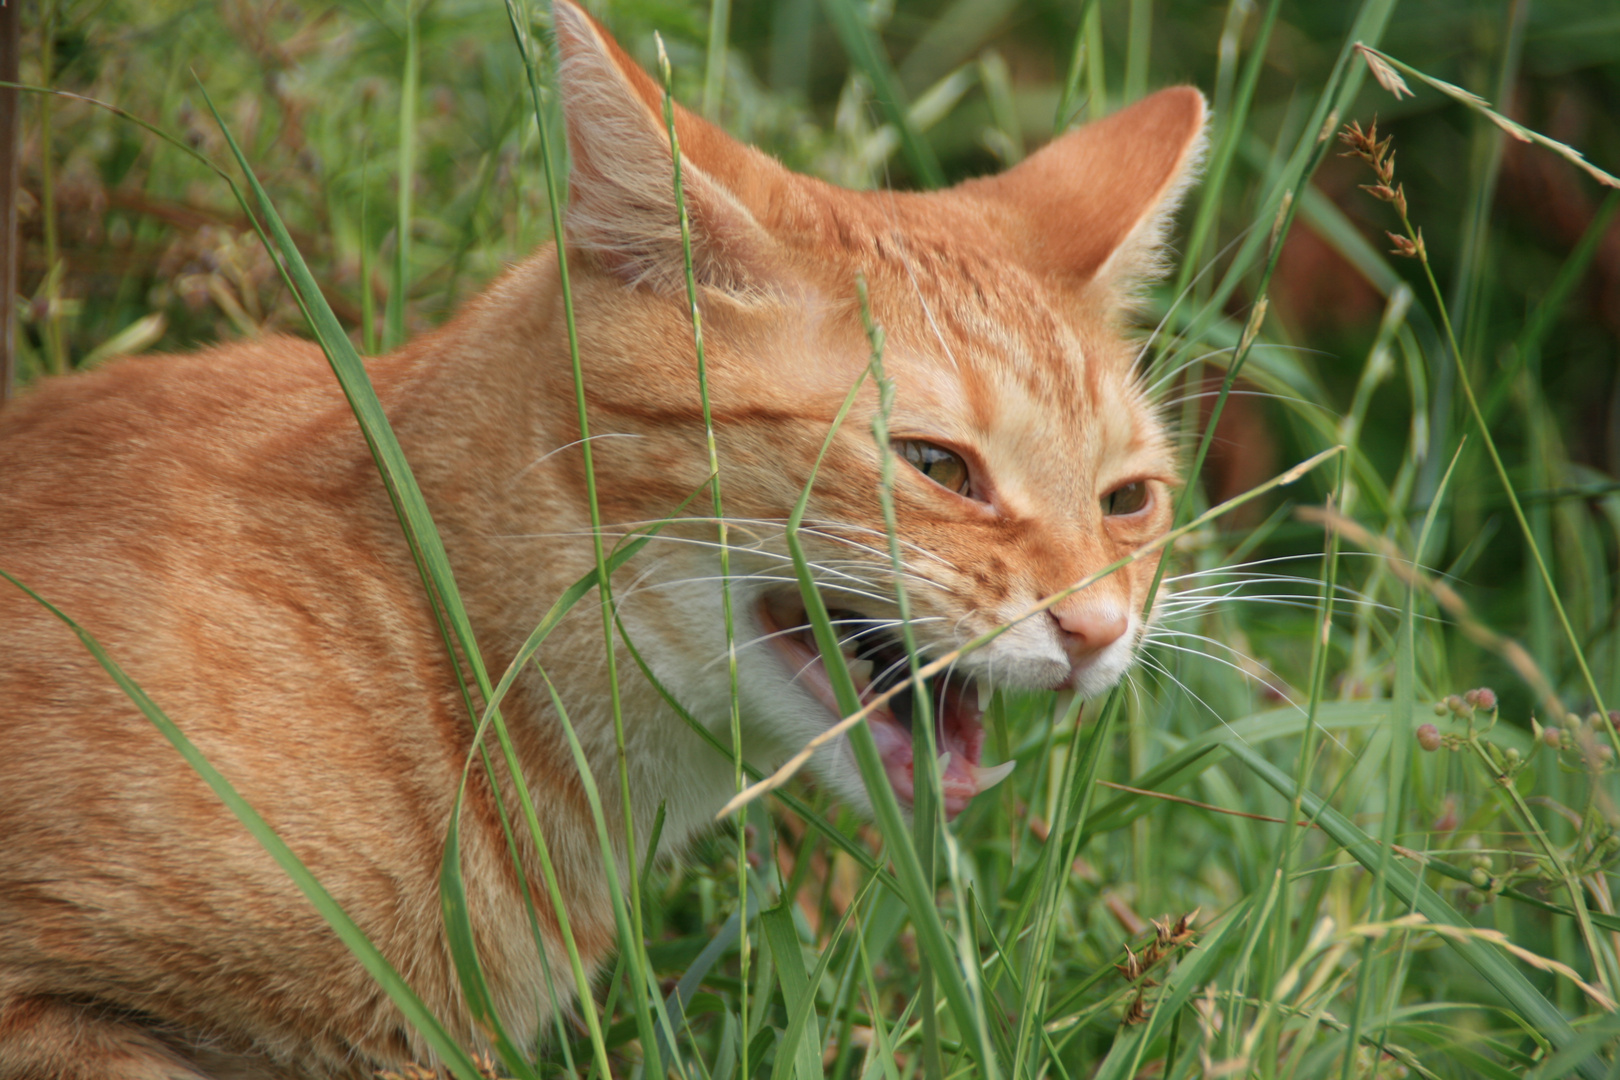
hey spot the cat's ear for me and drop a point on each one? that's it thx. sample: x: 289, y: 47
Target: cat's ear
x: 1094, y: 205
x: 621, y: 203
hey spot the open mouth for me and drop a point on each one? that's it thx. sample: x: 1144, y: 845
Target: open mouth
x: 877, y: 662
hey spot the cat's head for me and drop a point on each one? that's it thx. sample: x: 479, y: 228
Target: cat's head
x: 1030, y: 454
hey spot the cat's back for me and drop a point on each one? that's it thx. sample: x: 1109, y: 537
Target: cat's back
x: 152, y: 433
x: 215, y: 522
x: 173, y: 505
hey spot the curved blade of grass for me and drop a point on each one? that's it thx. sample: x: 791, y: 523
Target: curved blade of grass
x: 346, y: 364
x: 865, y: 51
x: 464, y: 953
x: 801, y: 1041
x: 419, y: 531
x: 1538, y: 1013
x: 355, y: 939
x: 1077, y: 59
x: 631, y: 943
x: 795, y: 1054
x: 915, y: 887
x: 422, y: 536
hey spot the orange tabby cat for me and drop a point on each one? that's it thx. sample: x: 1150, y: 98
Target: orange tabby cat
x: 217, y: 523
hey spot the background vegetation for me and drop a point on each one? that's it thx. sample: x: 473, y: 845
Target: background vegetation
x: 1296, y: 664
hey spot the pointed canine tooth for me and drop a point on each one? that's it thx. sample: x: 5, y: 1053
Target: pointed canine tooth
x: 944, y: 762
x: 861, y: 672
x: 1064, y: 701
x: 986, y: 691
x: 989, y: 778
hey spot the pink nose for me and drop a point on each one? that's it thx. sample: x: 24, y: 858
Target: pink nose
x: 1088, y: 628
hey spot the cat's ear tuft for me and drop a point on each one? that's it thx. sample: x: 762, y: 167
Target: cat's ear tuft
x: 1094, y: 205
x: 621, y: 204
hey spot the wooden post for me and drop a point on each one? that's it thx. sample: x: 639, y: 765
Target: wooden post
x: 9, y: 163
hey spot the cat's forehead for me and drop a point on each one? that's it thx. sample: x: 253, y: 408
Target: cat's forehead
x: 981, y: 315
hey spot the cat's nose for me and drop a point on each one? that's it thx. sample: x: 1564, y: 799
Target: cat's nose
x: 1087, y: 628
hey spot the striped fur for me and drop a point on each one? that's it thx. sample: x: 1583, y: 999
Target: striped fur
x: 216, y: 522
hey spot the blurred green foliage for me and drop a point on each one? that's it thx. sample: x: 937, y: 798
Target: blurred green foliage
x: 129, y: 245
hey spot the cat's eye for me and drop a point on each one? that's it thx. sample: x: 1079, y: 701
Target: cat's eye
x: 942, y: 466
x: 1126, y: 499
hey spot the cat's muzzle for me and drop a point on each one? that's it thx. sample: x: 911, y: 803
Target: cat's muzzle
x: 877, y: 662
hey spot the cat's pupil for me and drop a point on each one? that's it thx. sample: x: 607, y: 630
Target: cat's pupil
x: 940, y: 465
x: 1125, y: 499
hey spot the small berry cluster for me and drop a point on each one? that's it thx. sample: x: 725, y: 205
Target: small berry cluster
x: 1487, y: 886
x: 1464, y: 707
x: 1585, y: 739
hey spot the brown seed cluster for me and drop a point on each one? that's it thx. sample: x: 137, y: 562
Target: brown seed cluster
x: 1167, y: 938
x: 1379, y: 154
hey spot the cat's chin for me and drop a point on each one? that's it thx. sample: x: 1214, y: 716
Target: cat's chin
x: 877, y: 662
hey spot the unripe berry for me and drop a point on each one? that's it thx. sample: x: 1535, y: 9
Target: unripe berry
x: 1428, y: 737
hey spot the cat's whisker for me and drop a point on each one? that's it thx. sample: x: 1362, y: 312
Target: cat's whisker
x: 1301, y: 603
x: 1203, y: 271
x: 1159, y: 638
x: 834, y: 569
x: 1234, y: 568
x: 1234, y: 590
x: 1148, y: 663
x: 1264, y: 395
x: 820, y: 529
x: 922, y: 300
x: 1151, y: 390
x: 878, y: 627
x: 843, y: 590
x: 543, y: 458
x: 868, y: 626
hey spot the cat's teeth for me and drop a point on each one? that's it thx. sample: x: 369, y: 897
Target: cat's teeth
x: 1065, y: 704
x: 944, y: 762
x: 861, y: 672
x: 986, y: 691
x: 989, y: 778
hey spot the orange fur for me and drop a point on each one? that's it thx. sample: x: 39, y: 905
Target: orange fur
x: 216, y: 522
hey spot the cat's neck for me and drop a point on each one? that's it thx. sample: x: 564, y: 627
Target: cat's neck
x: 486, y: 412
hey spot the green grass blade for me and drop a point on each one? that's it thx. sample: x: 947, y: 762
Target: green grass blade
x: 631, y: 943
x: 1538, y: 1013
x: 400, y: 280
x: 353, y: 938
x: 798, y: 1051
x: 362, y: 397
x: 1077, y: 63
x: 866, y: 53
x: 464, y: 953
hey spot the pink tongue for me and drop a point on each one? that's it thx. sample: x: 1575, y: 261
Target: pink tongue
x: 960, y: 734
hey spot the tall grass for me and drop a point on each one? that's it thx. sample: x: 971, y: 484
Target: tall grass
x: 1265, y: 855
